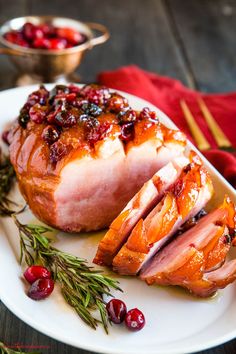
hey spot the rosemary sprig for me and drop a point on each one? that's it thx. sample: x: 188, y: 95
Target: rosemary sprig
x: 82, y: 287
x: 6, y: 350
x: 7, y: 176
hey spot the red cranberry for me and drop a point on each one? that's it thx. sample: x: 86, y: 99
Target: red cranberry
x: 56, y: 43
x: 134, y: 320
x: 95, y: 94
x: 30, y: 31
x: 127, y: 131
x: 67, y: 118
x: 146, y: 113
x: 41, y: 43
x: 98, y: 132
x: 116, y: 310
x: 71, y: 35
x: 38, y: 113
x: 117, y: 103
x: 127, y: 116
x: 36, y: 272
x: 16, y: 38
x: 41, y: 289
x: 5, y: 136
x: 50, y: 134
x: 57, y: 151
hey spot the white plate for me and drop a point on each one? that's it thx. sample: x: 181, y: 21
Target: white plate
x: 176, y: 322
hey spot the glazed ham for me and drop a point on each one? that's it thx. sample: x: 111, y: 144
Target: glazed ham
x: 196, y: 259
x: 138, y: 207
x: 189, y: 194
x: 81, y: 154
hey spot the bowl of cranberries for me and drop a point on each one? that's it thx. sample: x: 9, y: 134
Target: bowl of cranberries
x: 48, y: 47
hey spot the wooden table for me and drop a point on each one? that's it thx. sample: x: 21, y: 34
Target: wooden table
x: 193, y: 41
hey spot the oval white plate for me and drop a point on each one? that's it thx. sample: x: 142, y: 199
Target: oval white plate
x: 176, y: 322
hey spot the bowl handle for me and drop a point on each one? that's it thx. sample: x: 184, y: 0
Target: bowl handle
x: 9, y: 51
x: 100, y: 28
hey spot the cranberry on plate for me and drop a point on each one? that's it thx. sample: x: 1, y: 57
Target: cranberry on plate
x: 116, y: 310
x: 134, y: 320
x: 36, y: 272
x: 41, y: 289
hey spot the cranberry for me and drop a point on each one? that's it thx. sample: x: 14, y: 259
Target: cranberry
x: 41, y: 289
x: 23, y: 117
x: 16, y: 38
x: 30, y: 31
x: 39, y: 96
x: 38, y: 113
x: 116, y: 310
x: 91, y: 109
x: 98, y: 132
x: 36, y: 272
x: 5, y: 136
x: 41, y: 43
x: 127, y: 132
x: 67, y: 118
x: 117, y: 103
x: 50, y: 134
x: 95, y: 94
x: 57, y: 151
x: 56, y: 43
x: 146, y: 113
x: 127, y: 116
x: 71, y: 35
x: 134, y: 320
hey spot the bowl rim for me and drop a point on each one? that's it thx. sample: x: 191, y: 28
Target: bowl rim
x: 24, y: 50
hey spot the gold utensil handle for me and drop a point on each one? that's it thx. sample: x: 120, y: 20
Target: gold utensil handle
x: 221, y: 139
x: 100, y: 28
x: 197, y: 134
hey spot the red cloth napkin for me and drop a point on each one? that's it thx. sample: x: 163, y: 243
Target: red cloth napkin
x: 166, y: 94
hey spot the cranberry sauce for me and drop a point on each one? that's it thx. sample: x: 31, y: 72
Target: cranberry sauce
x: 84, y: 115
x: 45, y: 36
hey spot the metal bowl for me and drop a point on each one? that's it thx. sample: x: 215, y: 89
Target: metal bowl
x: 50, y: 65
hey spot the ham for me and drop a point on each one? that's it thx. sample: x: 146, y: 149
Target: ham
x: 196, y: 259
x: 189, y: 194
x: 81, y: 154
x: 138, y: 207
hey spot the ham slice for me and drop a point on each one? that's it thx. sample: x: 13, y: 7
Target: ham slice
x: 138, y: 207
x: 195, y: 259
x: 183, y: 200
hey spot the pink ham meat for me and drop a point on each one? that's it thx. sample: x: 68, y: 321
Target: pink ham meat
x: 104, y: 152
x: 183, y: 200
x: 138, y: 207
x: 195, y: 259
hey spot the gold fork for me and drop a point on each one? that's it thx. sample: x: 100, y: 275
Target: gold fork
x: 201, y: 141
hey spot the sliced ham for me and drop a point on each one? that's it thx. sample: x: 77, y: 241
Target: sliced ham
x: 138, y: 207
x: 183, y: 200
x: 195, y: 259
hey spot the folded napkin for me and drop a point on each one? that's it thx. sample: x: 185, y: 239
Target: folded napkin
x: 166, y: 94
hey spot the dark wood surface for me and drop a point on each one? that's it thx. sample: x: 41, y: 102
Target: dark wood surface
x: 193, y: 41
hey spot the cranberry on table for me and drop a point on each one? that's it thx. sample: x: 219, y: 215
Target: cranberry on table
x: 36, y: 272
x: 116, y: 310
x: 41, y: 289
x: 134, y: 320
